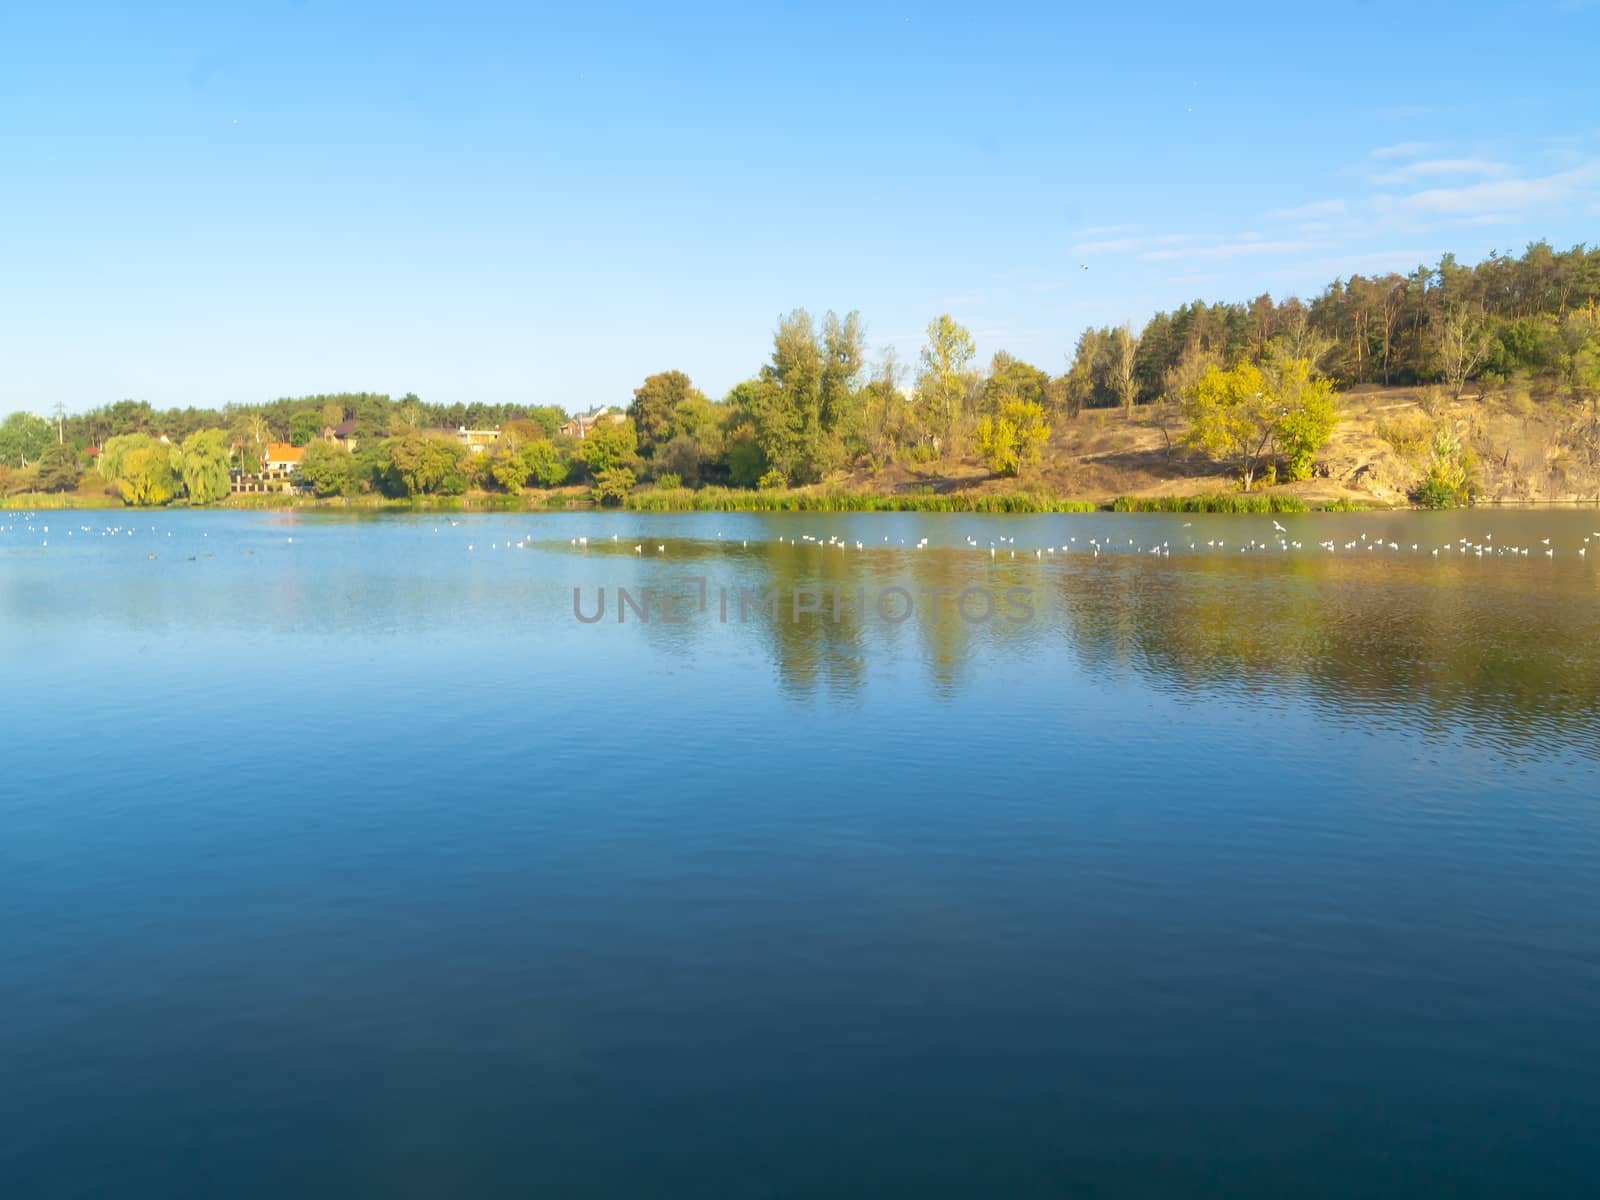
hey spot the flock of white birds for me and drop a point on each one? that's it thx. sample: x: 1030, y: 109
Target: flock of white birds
x: 42, y: 532
x: 1094, y: 546
x: 1279, y: 542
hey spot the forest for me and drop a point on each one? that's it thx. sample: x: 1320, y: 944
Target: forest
x: 1253, y: 384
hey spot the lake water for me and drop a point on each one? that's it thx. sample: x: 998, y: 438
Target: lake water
x: 337, y: 857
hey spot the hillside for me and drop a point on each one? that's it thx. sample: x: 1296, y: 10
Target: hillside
x: 1527, y: 450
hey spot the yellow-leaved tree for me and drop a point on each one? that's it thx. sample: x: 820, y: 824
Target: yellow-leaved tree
x: 1014, y: 437
x: 1245, y: 417
x: 1306, y: 411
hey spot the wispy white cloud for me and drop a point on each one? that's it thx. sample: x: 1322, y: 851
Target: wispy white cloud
x: 1370, y: 262
x: 1193, y: 279
x: 1405, y: 150
x: 1109, y: 246
x: 1312, y: 211
x: 1497, y: 196
x: 1430, y: 167
x: 1130, y: 245
x: 1238, y: 247
x: 1101, y: 231
x: 1404, y: 111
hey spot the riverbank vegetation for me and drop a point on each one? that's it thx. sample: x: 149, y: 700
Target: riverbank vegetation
x: 718, y: 499
x: 1246, y: 395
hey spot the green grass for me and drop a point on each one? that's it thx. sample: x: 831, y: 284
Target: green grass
x: 1216, y: 502
x: 281, y: 501
x: 722, y: 499
x: 1353, y: 506
x: 718, y: 499
x: 34, y: 501
x: 474, y: 502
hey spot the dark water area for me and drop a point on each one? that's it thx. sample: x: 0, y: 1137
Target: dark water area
x: 337, y: 856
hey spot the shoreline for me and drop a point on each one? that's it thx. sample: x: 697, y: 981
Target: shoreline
x: 717, y: 500
x: 722, y: 500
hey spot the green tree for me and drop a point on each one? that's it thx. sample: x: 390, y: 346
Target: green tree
x: 1580, y: 350
x: 610, y: 444
x: 745, y: 458
x: 57, y: 469
x: 613, y: 485
x: 23, y: 439
x: 1088, y: 382
x: 1449, y: 480
x: 506, y: 466
x: 945, y: 377
x: 771, y: 436
x: 681, y: 457
x: 1012, y: 379
x: 698, y: 418
x: 328, y: 469
x: 655, y: 407
x: 548, y: 417
x: 886, y: 420
x: 800, y: 417
x: 547, y: 464
x: 420, y: 464
x: 369, y: 468
x: 303, y: 426
x: 129, y: 416
x: 843, y: 356
x: 789, y: 415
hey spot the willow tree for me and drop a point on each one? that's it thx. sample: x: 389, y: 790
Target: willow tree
x: 204, y: 465
x: 146, y: 475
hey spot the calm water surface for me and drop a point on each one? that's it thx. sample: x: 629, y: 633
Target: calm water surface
x: 337, y: 857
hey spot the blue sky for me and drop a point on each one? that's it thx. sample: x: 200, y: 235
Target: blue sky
x: 205, y: 203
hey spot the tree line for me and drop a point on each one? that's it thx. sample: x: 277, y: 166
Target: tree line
x: 1535, y: 316
x: 1251, y: 384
